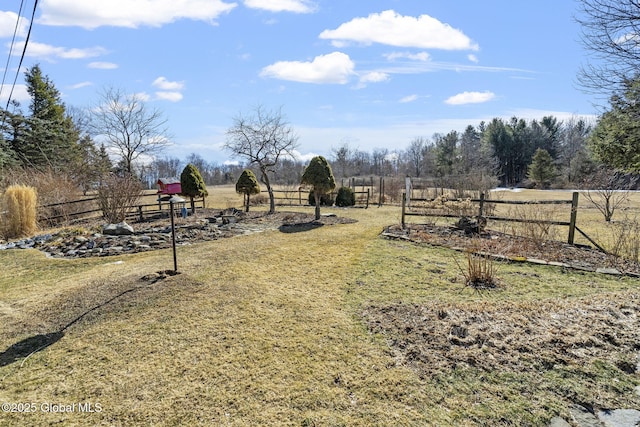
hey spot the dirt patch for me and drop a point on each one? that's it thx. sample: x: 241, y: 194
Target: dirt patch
x: 518, y: 337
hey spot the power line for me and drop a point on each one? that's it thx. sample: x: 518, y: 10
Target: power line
x: 13, y: 41
x: 24, y: 49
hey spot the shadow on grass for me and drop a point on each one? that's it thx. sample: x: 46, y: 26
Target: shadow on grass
x: 28, y: 346
x: 299, y: 227
x: 36, y: 343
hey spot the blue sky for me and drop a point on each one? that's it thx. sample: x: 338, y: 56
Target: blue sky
x: 370, y: 74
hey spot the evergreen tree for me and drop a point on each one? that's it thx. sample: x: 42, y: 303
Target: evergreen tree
x: 319, y: 177
x: 615, y: 141
x: 247, y: 184
x: 542, y: 171
x: 48, y: 136
x: 192, y: 184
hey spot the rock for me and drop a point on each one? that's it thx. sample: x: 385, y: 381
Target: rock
x: 620, y: 417
x: 120, y: 229
x: 558, y: 422
x: 608, y: 271
x: 583, y: 417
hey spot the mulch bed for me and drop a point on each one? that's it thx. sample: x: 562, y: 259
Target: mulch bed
x: 515, y: 248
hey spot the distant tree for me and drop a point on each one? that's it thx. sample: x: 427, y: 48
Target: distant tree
x: 247, y: 185
x: 341, y: 158
x: 263, y: 138
x: 128, y: 126
x: 319, y: 177
x: 192, y: 184
x: 415, y: 155
x: 542, y: 170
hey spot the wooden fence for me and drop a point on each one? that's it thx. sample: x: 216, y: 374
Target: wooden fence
x: 300, y: 197
x: 410, y: 207
x: 89, y: 208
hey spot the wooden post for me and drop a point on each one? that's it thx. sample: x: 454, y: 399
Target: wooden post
x: 140, y: 215
x: 367, y: 206
x: 574, y: 216
x: 404, y: 199
x: 380, y: 191
x: 481, y: 209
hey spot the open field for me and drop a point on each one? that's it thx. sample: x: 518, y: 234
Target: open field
x: 333, y: 326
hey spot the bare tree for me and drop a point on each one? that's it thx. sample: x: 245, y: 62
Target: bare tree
x: 263, y: 138
x: 128, y: 126
x: 415, y: 155
x: 610, y: 31
x: 605, y: 189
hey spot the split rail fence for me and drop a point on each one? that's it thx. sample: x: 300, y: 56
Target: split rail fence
x: 411, y: 207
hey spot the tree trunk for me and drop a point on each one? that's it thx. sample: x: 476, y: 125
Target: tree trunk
x: 317, y: 197
x: 193, y: 206
x: 246, y: 209
x: 265, y: 179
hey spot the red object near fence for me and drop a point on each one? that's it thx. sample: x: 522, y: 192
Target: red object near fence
x: 169, y: 186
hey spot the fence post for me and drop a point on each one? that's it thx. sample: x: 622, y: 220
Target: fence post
x: 140, y: 213
x: 481, y: 209
x: 380, y: 191
x: 404, y: 199
x: 574, y: 215
x: 367, y: 206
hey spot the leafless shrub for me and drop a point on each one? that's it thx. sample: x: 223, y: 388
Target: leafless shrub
x: 479, y: 269
x: 622, y: 239
x: 116, y: 195
x: 534, y: 223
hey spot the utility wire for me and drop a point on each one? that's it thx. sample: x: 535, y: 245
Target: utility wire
x: 24, y: 50
x: 13, y: 41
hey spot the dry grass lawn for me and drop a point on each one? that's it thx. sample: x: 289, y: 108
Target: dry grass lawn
x: 270, y: 329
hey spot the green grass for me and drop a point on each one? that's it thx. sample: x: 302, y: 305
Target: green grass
x: 266, y: 329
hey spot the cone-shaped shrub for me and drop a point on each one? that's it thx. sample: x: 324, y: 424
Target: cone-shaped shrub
x: 192, y: 184
x: 319, y: 177
x: 247, y: 184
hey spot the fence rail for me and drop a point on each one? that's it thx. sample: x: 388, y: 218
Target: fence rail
x: 482, y: 202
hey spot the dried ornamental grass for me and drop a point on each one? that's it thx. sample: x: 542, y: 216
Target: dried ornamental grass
x: 20, y: 202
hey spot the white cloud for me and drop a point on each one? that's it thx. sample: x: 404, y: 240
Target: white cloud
x: 48, y: 52
x: 169, y: 96
x: 127, y: 13
x: 8, y: 24
x: 166, y: 85
x: 295, y: 6
x: 393, y: 29
x: 103, y: 65
x: 420, y: 56
x: 335, y: 68
x: 374, y: 77
x: 80, y: 85
x: 20, y: 94
x: 471, y: 57
x: 408, y: 98
x: 470, y: 98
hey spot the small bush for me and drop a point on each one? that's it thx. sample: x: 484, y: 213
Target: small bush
x: 345, y: 197
x: 116, y: 195
x: 480, y: 270
x: 20, y: 202
x: 325, y: 199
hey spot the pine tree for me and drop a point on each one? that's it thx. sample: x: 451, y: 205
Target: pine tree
x: 542, y: 170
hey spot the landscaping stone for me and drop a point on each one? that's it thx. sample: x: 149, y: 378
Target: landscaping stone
x: 620, y: 417
x: 120, y: 229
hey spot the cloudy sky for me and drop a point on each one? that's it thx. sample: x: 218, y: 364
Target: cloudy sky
x: 370, y: 74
